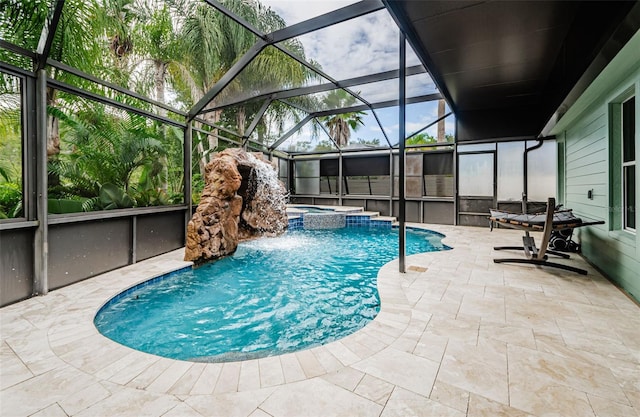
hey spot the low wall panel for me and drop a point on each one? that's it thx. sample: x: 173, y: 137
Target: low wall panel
x: 159, y: 233
x: 81, y: 250
x: 16, y: 265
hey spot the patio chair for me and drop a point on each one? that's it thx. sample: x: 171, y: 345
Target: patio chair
x: 551, y: 220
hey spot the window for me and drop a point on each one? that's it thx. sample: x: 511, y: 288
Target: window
x: 307, y: 177
x: 438, y: 174
x: 628, y: 124
x: 11, y: 137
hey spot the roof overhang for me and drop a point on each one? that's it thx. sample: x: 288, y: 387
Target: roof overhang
x: 506, y: 67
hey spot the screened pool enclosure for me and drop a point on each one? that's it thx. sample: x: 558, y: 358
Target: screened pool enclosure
x: 110, y: 110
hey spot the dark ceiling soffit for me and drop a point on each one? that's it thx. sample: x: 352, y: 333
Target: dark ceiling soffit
x: 302, y: 91
x: 226, y: 78
x: 622, y: 34
x: 289, y: 133
x: 328, y: 19
x: 88, y: 77
x: 47, y: 34
x: 404, y: 23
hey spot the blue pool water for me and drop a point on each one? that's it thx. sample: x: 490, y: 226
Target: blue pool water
x: 274, y: 295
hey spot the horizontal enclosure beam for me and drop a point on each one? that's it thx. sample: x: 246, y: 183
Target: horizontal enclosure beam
x: 289, y: 133
x: 89, y: 77
x: 17, y: 49
x: 320, y: 22
x: 111, y: 102
x: 314, y: 89
x: 380, y: 105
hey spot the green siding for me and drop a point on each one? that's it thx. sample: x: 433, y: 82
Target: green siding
x: 587, y: 165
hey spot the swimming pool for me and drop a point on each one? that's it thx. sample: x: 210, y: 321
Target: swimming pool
x: 274, y: 295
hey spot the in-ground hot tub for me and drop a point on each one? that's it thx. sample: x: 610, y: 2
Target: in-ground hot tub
x: 322, y: 217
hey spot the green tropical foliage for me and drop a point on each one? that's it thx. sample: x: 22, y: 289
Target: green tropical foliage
x: 10, y: 147
x: 173, y: 51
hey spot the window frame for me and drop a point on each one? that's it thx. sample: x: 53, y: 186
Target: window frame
x: 626, y: 165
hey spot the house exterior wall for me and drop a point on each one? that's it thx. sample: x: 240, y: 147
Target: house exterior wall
x: 588, y: 160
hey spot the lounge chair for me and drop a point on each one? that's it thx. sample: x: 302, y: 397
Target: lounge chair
x: 551, y: 220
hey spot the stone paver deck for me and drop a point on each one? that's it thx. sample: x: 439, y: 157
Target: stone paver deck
x: 457, y: 335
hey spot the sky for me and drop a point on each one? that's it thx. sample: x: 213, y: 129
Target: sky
x: 361, y: 46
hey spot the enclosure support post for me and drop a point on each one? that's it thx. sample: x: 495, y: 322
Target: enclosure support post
x: 340, y: 177
x: 188, y: 132
x: 401, y: 155
x: 41, y: 238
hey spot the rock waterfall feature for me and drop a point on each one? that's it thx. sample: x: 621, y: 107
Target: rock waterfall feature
x: 242, y: 199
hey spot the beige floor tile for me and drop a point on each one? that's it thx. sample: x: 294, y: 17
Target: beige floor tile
x: 317, y: 397
x: 374, y: 389
x: 403, y: 403
x: 270, y: 372
x: 634, y: 400
x: 170, y: 377
x: 478, y: 369
x: 150, y: 374
x: 311, y: 366
x: 236, y: 404
x: 54, y: 410
x: 450, y: 396
x: 228, y: 379
x: 130, y: 367
x: 514, y: 335
x: 291, y: 368
x: 461, y: 330
x: 249, y: 375
x: 484, y: 407
x: 83, y: 399
x: 487, y: 309
x: 208, y: 379
x: 32, y: 349
x: 182, y: 410
x: 12, y: 369
x: 186, y: 382
x: 400, y: 368
x: 572, y: 349
x: 606, y: 408
x: 319, y: 361
x: 347, y: 378
x: 259, y: 413
x: 431, y: 346
x: 126, y: 402
x: 40, y: 392
x: 532, y: 371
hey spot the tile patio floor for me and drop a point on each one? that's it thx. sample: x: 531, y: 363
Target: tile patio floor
x: 465, y: 337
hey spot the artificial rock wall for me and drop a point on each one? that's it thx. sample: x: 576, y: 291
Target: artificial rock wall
x: 242, y: 199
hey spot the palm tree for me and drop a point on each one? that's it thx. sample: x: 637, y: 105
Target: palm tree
x: 214, y: 42
x: 340, y: 125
